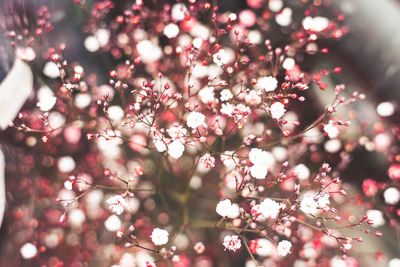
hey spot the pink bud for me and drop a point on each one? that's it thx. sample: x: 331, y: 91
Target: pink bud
x: 378, y: 233
x: 63, y: 218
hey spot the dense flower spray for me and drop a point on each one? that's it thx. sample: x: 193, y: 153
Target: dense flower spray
x: 197, y: 127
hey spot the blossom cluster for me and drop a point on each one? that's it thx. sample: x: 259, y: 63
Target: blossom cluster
x: 199, y: 127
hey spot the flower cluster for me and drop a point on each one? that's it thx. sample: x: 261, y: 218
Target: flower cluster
x: 202, y: 127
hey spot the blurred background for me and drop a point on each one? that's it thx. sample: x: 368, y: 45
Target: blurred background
x: 368, y: 54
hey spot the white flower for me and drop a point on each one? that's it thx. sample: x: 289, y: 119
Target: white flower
x: 66, y: 164
x: 385, y: 109
x: 331, y: 130
x: 275, y: 5
x: 76, y: 218
x: 284, y: 18
x: 91, y: 44
x: 221, y: 57
x: 160, y: 145
x: 116, y: 113
x: 277, y: 110
x: 51, y: 70
x: 269, y: 208
x: 225, y: 208
x: 227, y: 109
x: 159, y: 237
x: 395, y: 262
x: 316, y: 24
x: 195, y: 119
x: 148, y: 51
x: 302, y: 172
x: 171, y: 30
x: 391, y: 195
x: 258, y: 156
x: 284, y: 248
x: 337, y: 262
x: 262, y: 160
x: 234, y: 211
x: 268, y: 83
x: 68, y: 185
x: 252, y: 98
x: 103, y: 36
x: 113, y: 223
x: 46, y: 103
x: 288, y: 63
x: 176, y: 149
x: 259, y: 171
x: 206, y: 94
x: 376, y: 216
x: 117, y: 204
x: 323, y: 200
x: 309, y: 205
x: 178, y: 11
x: 176, y: 131
x: 28, y: 251
x: 264, y: 247
x: 226, y: 95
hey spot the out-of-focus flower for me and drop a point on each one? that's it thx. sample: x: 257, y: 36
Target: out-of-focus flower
x: 262, y: 247
x: 394, y: 172
x: 391, y: 195
x: 207, y: 95
x: 171, y: 30
x: 284, y: 18
x: 395, y: 262
x: 370, y: 187
x: 316, y: 24
x: 302, y: 172
x: 331, y: 130
x: 199, y: 247
x: 277, y: 110
x: 113, y: 223
x: 267, y: 83
x: 28, y: 251
x: 259, y: 171
x: 275, y: 5
x: 46, y: 103
x: 376, y: 218
x: 176, y: 149
x: 221, y: 57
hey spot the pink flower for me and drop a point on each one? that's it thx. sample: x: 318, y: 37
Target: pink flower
x: 370, y: 187
x: 232, y: 242
x: 199, y: 248
x: 207, y: 161
x: 394, y: 171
